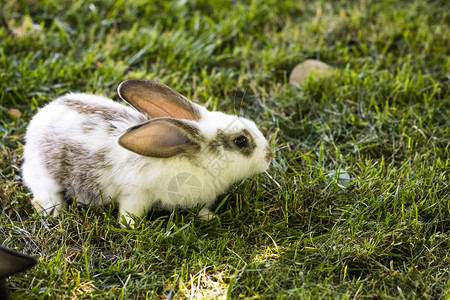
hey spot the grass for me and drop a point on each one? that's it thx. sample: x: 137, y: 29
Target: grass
x: 298, y: 233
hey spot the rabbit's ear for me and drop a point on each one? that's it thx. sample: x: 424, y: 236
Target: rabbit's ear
x: 157, y: 100
x: 12, y: 262
x: 162, y: 138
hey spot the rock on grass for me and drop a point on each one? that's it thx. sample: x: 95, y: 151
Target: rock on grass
x: 310, y: 68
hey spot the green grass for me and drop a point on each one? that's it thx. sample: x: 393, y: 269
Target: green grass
x: 298, y: 233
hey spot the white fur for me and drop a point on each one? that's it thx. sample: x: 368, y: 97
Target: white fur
x: 135, y: 182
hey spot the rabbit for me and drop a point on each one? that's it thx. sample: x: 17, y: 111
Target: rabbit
x: 12, y: 262
x: 166, y: 152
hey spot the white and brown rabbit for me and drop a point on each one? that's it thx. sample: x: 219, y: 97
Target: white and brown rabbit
x: 168, y: 152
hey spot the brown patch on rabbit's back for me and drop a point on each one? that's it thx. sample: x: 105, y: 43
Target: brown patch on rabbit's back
x: 109, y: 111
x: 75, y: 168
x: 82, y: 107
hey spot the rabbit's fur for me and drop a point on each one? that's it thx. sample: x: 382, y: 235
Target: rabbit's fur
x: 168, y: 152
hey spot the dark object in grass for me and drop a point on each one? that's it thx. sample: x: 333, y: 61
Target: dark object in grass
x: 12, y: 262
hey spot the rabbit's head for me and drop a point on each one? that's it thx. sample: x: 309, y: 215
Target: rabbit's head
x: 229, y: 148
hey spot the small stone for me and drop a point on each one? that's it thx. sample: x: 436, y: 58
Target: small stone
x: 15, y: 113
x: 310, y: 67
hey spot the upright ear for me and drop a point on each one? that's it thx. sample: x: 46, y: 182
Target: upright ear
x: 162, y: 138
x: 157, y: 100
x: 12, y: 262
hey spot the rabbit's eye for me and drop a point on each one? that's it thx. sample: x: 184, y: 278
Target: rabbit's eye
x: 241, y: 141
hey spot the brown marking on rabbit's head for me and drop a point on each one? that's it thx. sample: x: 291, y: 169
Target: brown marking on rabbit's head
x: 229, y: 141
x: 269, y: 154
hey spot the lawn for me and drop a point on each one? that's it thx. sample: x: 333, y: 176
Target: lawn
x: 295, y: 232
